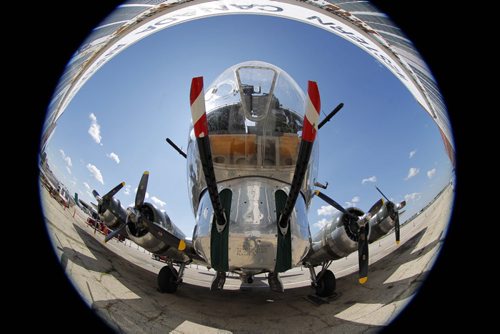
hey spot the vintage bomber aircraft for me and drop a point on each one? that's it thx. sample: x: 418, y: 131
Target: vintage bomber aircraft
x: 252, y: 161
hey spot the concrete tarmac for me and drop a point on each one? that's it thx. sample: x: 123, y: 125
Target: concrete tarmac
x: 118, y: 281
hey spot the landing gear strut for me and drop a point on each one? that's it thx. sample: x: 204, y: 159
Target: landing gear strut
x: 218, y: 281
x: 324, y: 283
x: 169, y: 279
x: 275, y: 283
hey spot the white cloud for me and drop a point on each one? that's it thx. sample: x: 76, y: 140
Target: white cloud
x: 413, y: 197
x: 412, y: 172
x: 412, y: 153
x: 68, y: 169
x: 66, y: 159
x: 114, y: 156
x: 321, y: 223
x: 370, y: 179
x: 157, y: 201
x: 86, y: 185
x: 95, y: 172
x: 326, y: 210
x: 127, y: 190
x: 431, y: 173
x: 353, y: 201
x: 95, y: 129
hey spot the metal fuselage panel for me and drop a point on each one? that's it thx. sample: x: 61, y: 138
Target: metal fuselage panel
x: 228, y: 172
x: 253, y: 226
x: 255, y: 113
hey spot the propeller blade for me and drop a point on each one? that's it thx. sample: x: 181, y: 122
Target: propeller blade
x: 332, y: 202
x: 113, y: 191
x: 309, y: 132
x: 381, y: 193
x: 114, y: 233
x: 200, y: 126
x: 396, y: 227
x: 141, y: 190
x: 103, y: 202
x: 394, y: 213
x: 100, y: 202
x: 363, y: 253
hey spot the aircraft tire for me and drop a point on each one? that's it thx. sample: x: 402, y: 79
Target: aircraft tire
x: 326, y: 285
x: 167, y: 280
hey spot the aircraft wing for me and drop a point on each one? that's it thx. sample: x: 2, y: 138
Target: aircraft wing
x: 352, y: 229
x: 145, y: 225
x: 179, y: 243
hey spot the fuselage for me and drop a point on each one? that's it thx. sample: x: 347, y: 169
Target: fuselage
x: 254, y: 112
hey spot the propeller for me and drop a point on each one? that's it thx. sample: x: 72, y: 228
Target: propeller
x: 137, y: 216
x: 363, y: 240
x: 104, y: 203
x: 334, y: 204
x: 362, y: 232
x: 113, y: 234
x: 141, y: 190
x: 134, y: 213
x: 394, y: 213
x: 105, y: 200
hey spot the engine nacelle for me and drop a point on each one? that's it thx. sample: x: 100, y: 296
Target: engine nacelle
x: 144, y: 238
x: 337, y: 239
x: 381, y: 223
x: 115, y: 214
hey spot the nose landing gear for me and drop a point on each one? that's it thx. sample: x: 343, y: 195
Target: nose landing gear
x: 218, y: 281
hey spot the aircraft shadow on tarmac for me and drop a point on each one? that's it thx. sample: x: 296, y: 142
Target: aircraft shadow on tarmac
x: 245, y: 309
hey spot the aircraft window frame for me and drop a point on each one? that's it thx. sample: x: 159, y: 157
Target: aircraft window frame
x: 269, y: 95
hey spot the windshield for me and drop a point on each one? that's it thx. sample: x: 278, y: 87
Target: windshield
x: 255, y: 113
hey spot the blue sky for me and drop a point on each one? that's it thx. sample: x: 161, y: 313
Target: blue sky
x: 142, y: 96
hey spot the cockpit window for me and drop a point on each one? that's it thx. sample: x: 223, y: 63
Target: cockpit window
x: 255, y: 113
x: 256, y: 90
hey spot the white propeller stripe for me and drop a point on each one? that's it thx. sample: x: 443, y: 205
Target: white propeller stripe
x: 312, y: 114
x: 198, y: 108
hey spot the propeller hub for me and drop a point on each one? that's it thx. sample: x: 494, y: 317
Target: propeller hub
x: 353, y: 222
x: 133, y: 215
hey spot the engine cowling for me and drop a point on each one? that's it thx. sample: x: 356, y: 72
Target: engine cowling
x: 337, y: 239
x: 143, y: 237
x: 114, y: 215
x: 381, y: 223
